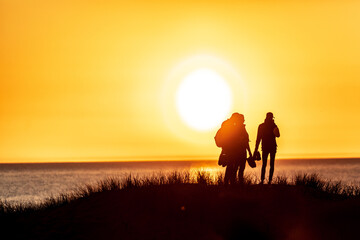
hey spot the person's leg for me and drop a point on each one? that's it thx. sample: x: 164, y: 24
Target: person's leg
x: 241, y: 170
x: 264, y: 162
x: 230, y: 174
x: 227, y: 175
x: 235, y: 168
x: 272, y: 165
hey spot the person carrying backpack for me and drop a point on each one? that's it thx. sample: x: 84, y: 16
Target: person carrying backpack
x: 233, y: 138
x: 267, y: 134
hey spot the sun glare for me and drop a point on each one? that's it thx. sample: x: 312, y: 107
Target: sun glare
x: 203, y: 99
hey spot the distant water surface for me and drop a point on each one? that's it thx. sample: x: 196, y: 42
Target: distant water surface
x: 22, y: 183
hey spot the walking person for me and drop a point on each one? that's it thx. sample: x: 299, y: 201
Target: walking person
x: 267, y: 134
x: 235, y: 143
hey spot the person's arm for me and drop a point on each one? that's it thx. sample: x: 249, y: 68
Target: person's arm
x: 276, y: 132
x: 258, y: 139
x: 248, y: 149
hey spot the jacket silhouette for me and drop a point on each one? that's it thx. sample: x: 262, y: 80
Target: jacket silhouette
x: 267, y: 134
x: 234, y: 147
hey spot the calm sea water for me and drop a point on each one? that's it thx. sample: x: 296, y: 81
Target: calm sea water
x: 22, y: 183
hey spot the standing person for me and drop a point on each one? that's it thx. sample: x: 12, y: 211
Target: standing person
x: 234, y: 147
x: 227, y: 132
x: 267, y: 134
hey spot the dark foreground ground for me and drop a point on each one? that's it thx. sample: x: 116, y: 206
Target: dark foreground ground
x: 193, y: 211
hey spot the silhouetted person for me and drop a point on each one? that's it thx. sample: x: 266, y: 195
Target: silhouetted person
x: 267, y: 134
x: 237, y: 142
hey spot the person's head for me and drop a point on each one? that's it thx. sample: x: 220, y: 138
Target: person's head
x: 269, y: 117
x: 237, y: 118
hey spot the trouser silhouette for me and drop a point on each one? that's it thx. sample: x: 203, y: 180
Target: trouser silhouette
x: 265, y: 155
x: 232, y: 169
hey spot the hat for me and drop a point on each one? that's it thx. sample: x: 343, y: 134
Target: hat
x: 257, y: 156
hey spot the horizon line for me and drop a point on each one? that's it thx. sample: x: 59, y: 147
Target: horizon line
x: 147, y: 159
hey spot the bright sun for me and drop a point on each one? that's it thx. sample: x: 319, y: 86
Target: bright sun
x: 203, y: 99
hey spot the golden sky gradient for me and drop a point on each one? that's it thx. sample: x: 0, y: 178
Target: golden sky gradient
x: 88, y: 79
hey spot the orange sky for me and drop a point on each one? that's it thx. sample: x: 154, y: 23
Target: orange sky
x: 87, y: 79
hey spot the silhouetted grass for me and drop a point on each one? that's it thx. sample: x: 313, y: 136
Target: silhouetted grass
x: 309, y: 180
x: 334, y: 188
x: 306, y: 181
x: 281, y: 180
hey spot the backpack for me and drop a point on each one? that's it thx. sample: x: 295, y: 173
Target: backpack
x: 222, y: 135
x: 219, y: 138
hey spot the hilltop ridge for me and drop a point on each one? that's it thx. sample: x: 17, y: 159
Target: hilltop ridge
x: 185, y: 210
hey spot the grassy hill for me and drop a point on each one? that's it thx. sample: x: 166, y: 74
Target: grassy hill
x: 181, y: 206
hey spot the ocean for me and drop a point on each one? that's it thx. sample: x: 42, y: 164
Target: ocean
x: 24, y: 183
